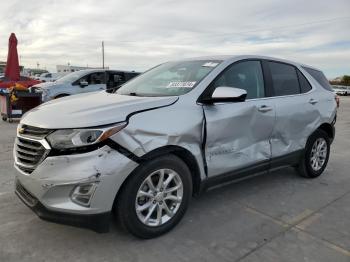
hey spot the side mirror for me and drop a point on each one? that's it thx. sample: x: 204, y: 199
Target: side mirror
x: 83, y: 83
x: 227, y: 94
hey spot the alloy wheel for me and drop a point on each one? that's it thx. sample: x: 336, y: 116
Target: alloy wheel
x: 318, y: 154
x: 159, y: 197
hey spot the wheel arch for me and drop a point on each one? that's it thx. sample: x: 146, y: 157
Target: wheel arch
x: 186, y: 156
x: 61, y: 95
x: 182, y: 153
x: 328, y: 128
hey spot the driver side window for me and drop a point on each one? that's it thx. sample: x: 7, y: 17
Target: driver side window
x: 245, y: 75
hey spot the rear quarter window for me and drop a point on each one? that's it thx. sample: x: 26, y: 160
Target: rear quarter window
x: 284, y: 79
x: 319, y: 77
x: 304, y: 84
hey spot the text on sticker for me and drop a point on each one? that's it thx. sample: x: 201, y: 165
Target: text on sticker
x: 181, y: 84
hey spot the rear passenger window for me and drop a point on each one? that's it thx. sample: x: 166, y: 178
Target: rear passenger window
x: 304, y: 84
x: 319, y: 77
x: 246, y: 75
x: 284, y: 79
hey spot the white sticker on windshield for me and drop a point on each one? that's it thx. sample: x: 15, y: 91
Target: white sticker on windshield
x: 181, y: 84
x: 210, y: 64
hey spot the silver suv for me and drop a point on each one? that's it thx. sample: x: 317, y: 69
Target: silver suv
x: 170, y: 134
x: 83, y: 81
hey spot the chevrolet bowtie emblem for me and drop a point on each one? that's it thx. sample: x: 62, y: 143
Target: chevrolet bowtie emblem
x: 20, y: 130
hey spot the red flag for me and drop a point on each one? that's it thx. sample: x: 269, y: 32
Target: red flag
x: 12, y: 65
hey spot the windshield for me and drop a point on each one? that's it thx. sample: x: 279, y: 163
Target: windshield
x: 169, y: 79
x: 70, y: 78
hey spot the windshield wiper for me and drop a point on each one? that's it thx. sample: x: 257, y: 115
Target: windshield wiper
x: 138, y: 94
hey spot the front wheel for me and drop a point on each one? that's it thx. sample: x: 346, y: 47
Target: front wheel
x: 60, y: 96
x: 316, y: 155
x: 156, y: 196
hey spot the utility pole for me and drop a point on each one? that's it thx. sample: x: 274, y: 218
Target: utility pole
x: 103, y: 55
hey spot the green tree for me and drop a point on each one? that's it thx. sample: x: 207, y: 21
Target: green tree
x: 346, y: 80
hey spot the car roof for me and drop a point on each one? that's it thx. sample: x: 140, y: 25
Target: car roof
x: 241, y: 57
x: 91, y: 70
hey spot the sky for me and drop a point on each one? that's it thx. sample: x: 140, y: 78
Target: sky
x: 140, y: 34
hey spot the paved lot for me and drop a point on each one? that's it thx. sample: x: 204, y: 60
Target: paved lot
x: 277, y: 217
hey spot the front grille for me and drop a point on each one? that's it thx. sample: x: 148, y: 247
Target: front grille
x: 29, y: 153
x: 27, y: 197
x: 33, y: 132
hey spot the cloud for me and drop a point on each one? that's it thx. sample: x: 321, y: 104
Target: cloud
x: 139, y: 34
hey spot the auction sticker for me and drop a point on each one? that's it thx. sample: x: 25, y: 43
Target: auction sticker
x: 210, y: 64
x: 181, y: 84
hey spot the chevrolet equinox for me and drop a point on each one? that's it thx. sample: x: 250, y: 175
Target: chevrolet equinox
x: 182, y: 127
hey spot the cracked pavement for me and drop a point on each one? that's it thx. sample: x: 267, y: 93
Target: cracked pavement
x: 274, y: 217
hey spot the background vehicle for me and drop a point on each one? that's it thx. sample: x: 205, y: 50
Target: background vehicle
x: 341, y: 90
x: 172, y: 132
x: 83, y: 81
x: 24, y: 81
x: 49, y: 77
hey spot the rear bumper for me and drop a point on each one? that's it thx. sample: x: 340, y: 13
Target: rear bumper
x: 96, y: 222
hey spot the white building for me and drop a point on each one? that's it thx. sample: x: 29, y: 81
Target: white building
x: 69, y: 68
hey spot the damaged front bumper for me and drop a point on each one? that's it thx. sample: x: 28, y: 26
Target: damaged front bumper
x: 51, y: 189
x: 97, y: 222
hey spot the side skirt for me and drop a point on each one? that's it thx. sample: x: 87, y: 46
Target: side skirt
x: 261, y: 168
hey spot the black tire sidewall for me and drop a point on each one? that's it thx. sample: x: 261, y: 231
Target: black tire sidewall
x: 60, y: 96
x: 309, y: 170
x: 126, y: 202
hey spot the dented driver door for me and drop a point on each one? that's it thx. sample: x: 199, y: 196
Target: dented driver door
x: 238, y: 135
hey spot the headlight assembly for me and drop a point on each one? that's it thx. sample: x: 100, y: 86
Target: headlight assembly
x: 73, y: 138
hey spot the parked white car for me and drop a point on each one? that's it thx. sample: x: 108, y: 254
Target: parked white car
x: 341, y: 90
x: 83, y: 81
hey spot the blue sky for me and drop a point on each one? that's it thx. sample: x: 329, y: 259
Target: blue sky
x: 139, y: 34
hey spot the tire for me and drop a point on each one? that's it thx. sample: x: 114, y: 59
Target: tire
x: 312, y: 168
x: 131, y: 198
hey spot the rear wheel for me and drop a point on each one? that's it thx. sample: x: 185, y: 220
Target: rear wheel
x: 156, y: 197
x: 316, y: 155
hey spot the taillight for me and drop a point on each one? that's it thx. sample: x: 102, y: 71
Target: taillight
x: 337, y: 100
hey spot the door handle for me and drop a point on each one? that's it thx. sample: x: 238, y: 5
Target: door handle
x: 264, y: 108
x: 313, y: 101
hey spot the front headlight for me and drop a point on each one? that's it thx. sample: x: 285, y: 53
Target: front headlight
x: 44, y: 94
x: 71, y: 138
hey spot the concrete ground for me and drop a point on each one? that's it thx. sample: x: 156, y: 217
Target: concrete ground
x: 276, y: 217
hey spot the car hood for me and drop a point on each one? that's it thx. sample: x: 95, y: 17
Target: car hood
x: 47, y: 85
x: 91, y: 109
